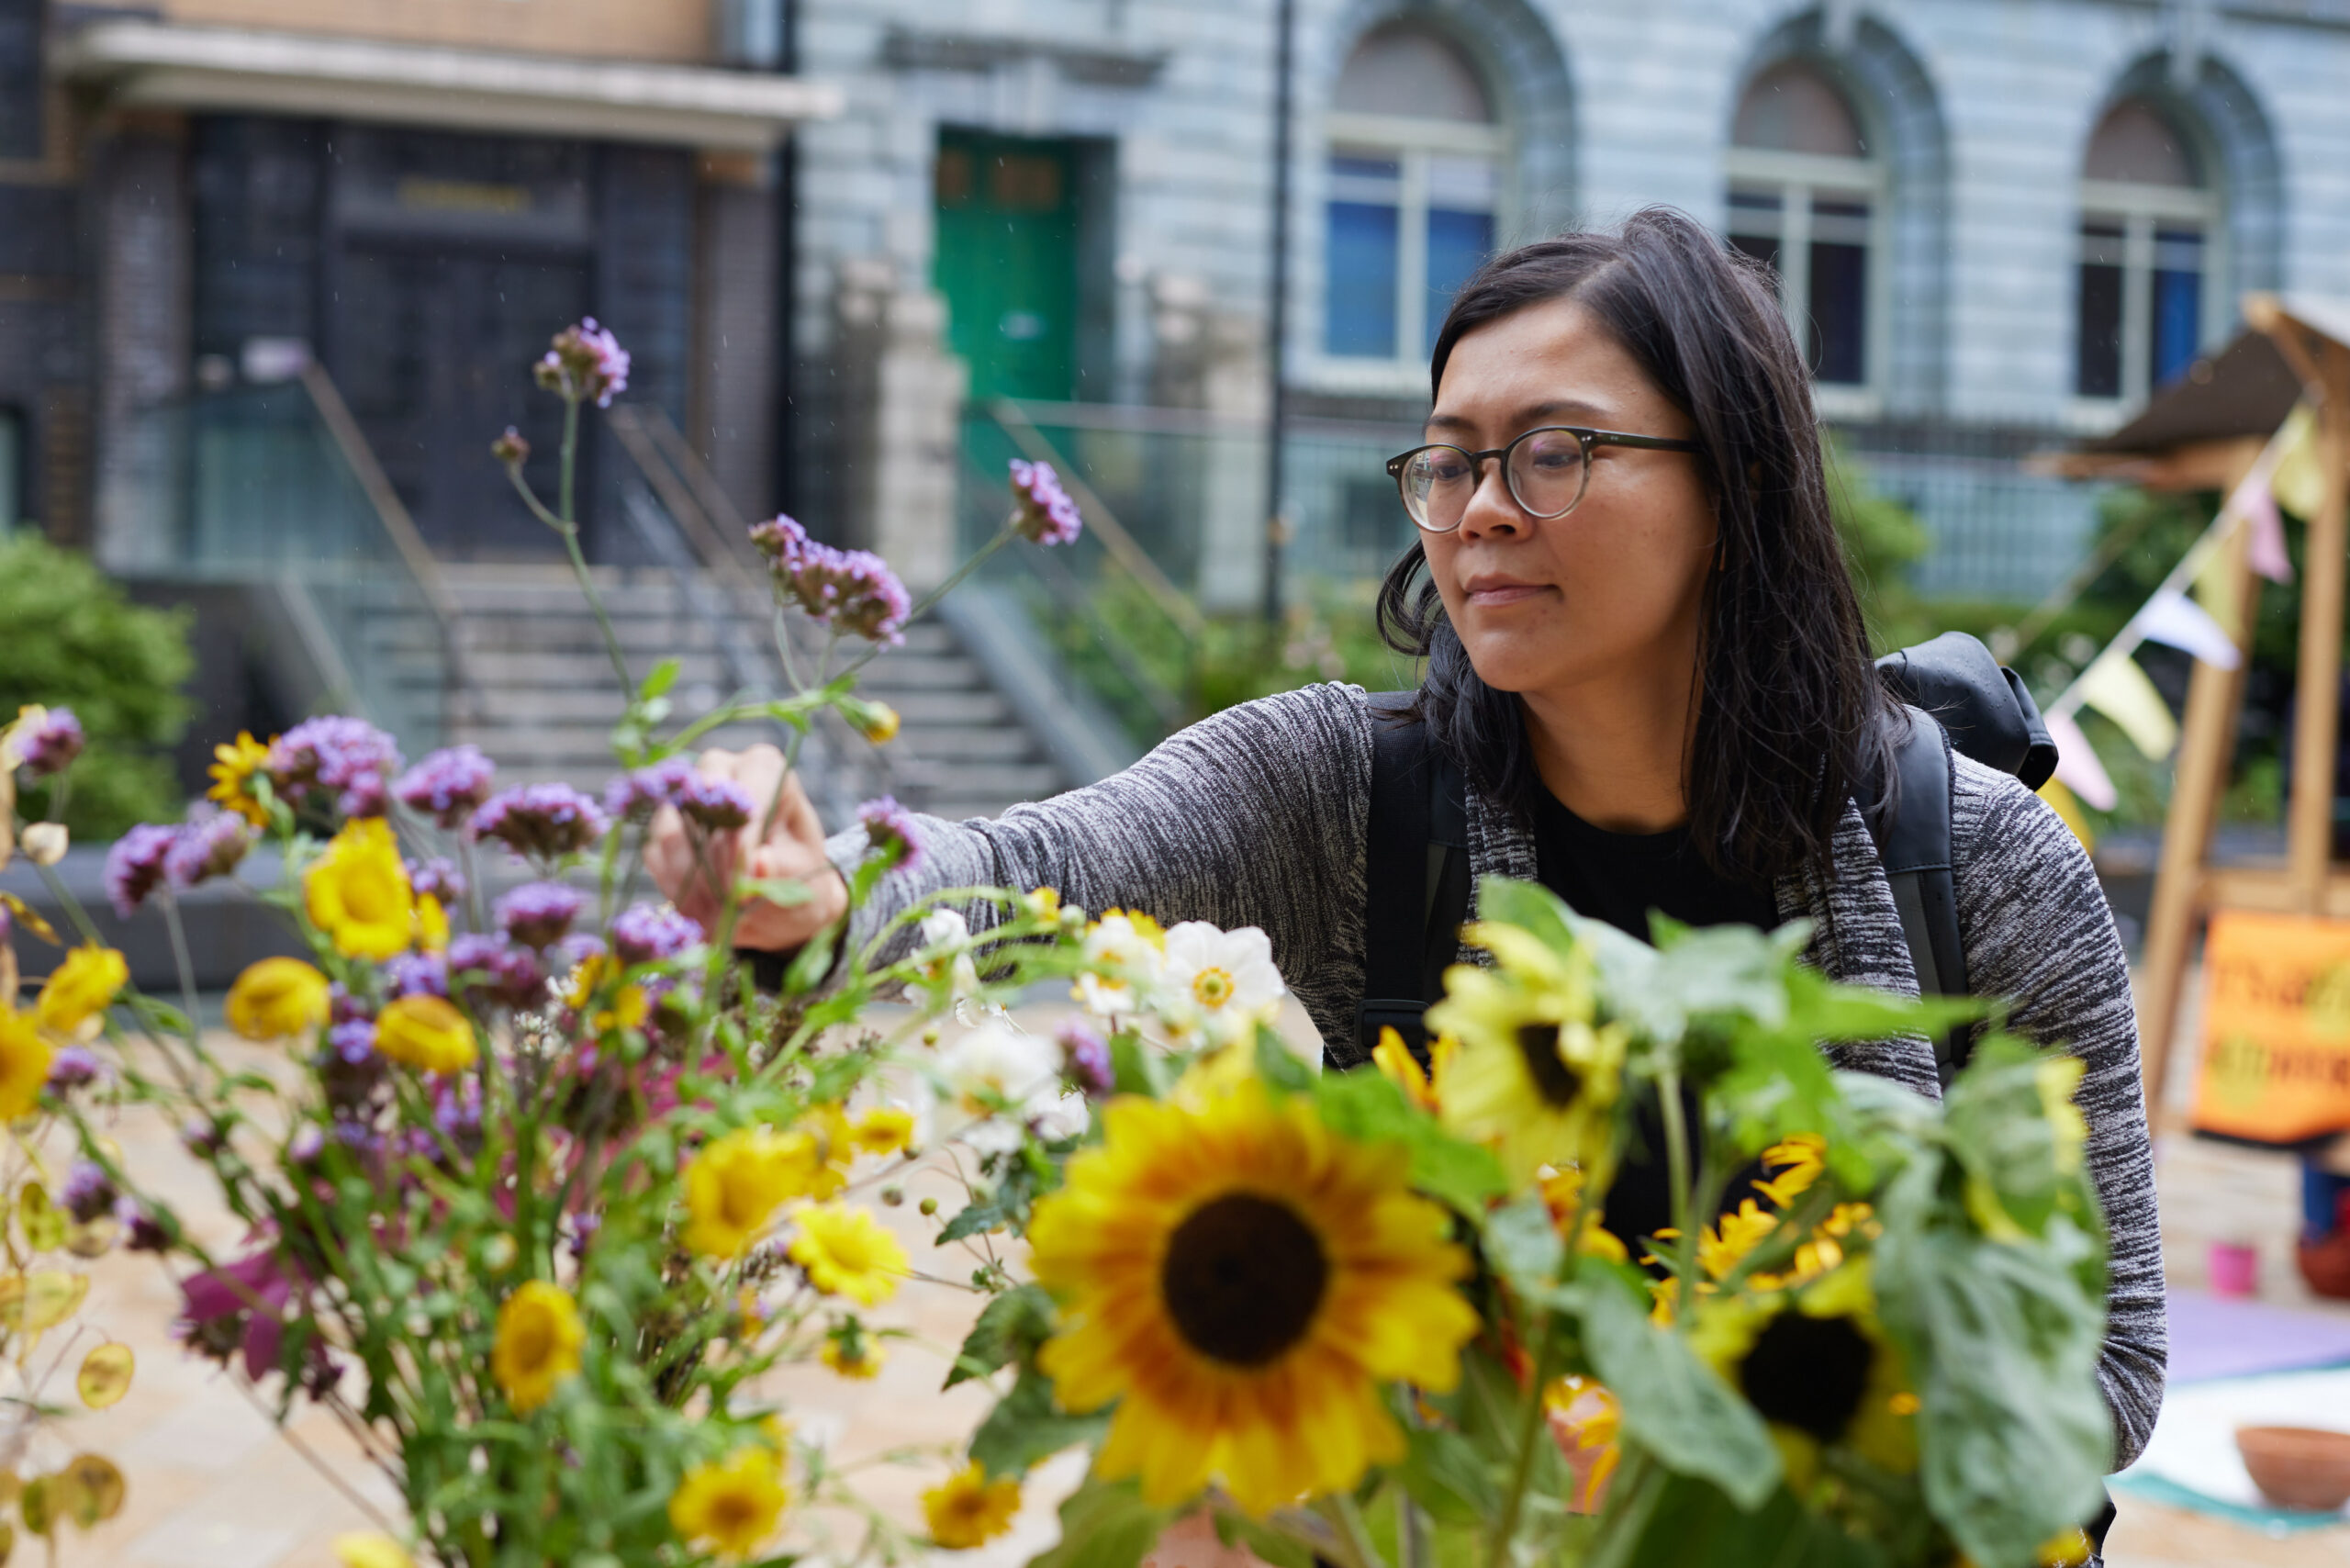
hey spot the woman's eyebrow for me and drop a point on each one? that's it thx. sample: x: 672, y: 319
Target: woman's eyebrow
x: 1525, y: 417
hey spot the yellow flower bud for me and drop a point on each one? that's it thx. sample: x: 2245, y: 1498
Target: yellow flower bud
x: 277, y: 997
x: 82, y: 987
x: 425, y: 1033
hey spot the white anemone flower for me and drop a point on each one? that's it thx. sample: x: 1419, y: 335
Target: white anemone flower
x: 949, y: 934
x: 1219, y: 984
x: 1125, y: 963
x: 996, y: 1081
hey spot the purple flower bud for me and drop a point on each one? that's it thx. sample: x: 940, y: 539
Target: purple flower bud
x: 204, y: 1140
x: 1043, y: 514
x: 586, y: 363
x: 55, y: 741
x: 74, y: 1066
x: 779, y: 538
x: 348, y: 757
x: 140, y: 1230
x: 575, y: 950
x: 715, y: 805
x: 207, y: 847
x: 342, y: 1007
x: 634, y: 797
x: 890, y: 832
x: 510, y: 448
x: 437, y: 879
x: 135, y: 865
x: 306, y: 1144
x: 642, y: 933
x: 541, y: 820
x: 853, y: 591
x: 1085, y: 1058
x: 87, y: 1191
x: 491, y: 971
x: 417, y: 974
x: 537, y: 913
x: 447, y: 786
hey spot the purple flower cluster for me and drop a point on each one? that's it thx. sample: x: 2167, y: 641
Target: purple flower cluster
x: 349, y: 757
x: 584, y: 363
x: 350, y: 1067
x: 537, y: 913
x: 142, y: 1232
x: 545, y: 820
x: 74, y: 1066
x: 715, y: 805
x: 135, y: 865
x: 55, y: 741
x: 1085, y: 1058
x: 87, y: 1191
x: 889, y: 830
x: 642, y: 933
x: 417, y: 974
x: 207, y: 847
x: 634, y: 797
x: 490, y: 971
x: 850, y: 590
x: 446, y: 786
x: 437, y: 879
x: 1042, y: 511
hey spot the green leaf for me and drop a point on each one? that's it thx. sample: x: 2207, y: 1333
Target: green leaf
x: 1362, y: 1104
x: 1675, y: 1406
x: 1667, y: 1520
x: 1026, y: 1425
x: 812, y: 963
x: 1279, y: 1066
x: 1105, y: 1524
x: 1009, y: 1328
x: 1235, y: 1528
x: 782, y: 891
x: 1444, y: 1474
x: 659, y: 678
x: 1523, y: 1246
x: 1139, y: 1069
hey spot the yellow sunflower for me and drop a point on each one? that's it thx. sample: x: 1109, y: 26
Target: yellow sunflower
x: 734, y: 1506
x: 847, y: 1252
x: 1533, y: 1078
x: 967, y: 1509
x: 539, y: 1340
x: 358, y: 893
x: 232, y: 770
x: 80, y: 988
x: 25, y: 1056
x: 1816, y: 1364
x: 738, y: 1181
x: 1241, y: 1280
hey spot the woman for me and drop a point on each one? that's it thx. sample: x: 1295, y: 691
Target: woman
x: 1645, y: 656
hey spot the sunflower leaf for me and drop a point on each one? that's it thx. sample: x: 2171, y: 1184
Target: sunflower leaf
x: 1105, y: 1524
x: 1364, y: 1105
x: 1235, y: 1528
x: 1524, y: 1247
x: 1009, y: 1328
x: 1026, y: 1425
x: 1278, y: 1065
x: 1675, y: 1406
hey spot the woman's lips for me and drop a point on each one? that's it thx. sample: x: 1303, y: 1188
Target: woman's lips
x: 1493, y: 595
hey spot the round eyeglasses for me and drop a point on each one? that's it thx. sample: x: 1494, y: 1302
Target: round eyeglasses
x: 1546, y: 471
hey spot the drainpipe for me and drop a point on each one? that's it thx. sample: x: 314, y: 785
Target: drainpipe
x: 1277, y: 356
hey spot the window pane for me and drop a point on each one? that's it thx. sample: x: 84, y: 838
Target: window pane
x: 1840, y: 276
x: 1458, y: 244
x: 1461, y: 184
x: 1359, y: 317
x: 2099, y: 359
x: 2177, y: 324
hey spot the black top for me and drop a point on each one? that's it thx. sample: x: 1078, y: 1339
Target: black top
x: 1619, y: 878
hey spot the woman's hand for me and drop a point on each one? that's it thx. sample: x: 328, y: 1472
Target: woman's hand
x: 793, y: 848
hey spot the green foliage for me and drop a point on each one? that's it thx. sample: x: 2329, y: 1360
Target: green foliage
x: 76, y: 640
x: 1883, y: 539
x: 1675, y: 1407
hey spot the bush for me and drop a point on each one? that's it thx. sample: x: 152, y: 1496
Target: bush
x: 74, y: 641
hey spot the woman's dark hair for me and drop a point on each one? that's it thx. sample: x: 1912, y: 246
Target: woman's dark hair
x: 1789, y: 711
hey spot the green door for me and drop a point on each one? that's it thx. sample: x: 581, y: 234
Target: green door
x: 1007, y: 261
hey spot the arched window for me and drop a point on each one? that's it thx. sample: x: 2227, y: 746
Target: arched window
x: 1806, y: 197
x: 1414, y: 180
x: 2149, y: 281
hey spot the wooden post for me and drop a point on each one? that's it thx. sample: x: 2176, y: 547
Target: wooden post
x: 2318, y: 700
x: 2207, y: 747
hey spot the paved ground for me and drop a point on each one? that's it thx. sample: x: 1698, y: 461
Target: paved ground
x: 213, y: 1486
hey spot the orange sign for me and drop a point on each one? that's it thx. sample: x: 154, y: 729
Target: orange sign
x: 2275, y: 1028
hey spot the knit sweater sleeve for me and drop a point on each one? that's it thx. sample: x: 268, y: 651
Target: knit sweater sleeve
x: 2038, y: 934
x: 1254, y: 816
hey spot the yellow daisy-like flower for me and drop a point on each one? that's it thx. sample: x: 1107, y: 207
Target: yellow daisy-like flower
x: 25, y: 1057
x: 1816, y: 1364
x: 1799, y: 1159
x: 732, y: 1506
x: 967, y: 1509
x: 1533, y: 1078
x: 1397, y: 1064
x: 277, y: 997
x: 232, y: 770
x: 631, y: 1005
x: 539, y: 1340
x: 863, y: 1365
x: 431, y: 924
x: 425, y: 1033
x: 358, y: 892
x: 738, y: 1181
x: 80, y: 988
x: 883, y: 1129
x: 1241, y: 1280
x: 834, y: 1144
x: 369, y: 1548
x: 847, y: 1252
x: 1562, y: 1196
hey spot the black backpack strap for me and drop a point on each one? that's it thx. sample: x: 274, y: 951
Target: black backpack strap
x: 1913, y: 842
x: 1415, y: 875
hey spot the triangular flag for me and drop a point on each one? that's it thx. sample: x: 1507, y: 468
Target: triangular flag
x: 2076, y: 765
x: 2062, y: 802
x: 2215, y: 590
x: 2298, y: 480
x: 2256, y: 502
x: 2118, y: 689
x: 2171, y: 618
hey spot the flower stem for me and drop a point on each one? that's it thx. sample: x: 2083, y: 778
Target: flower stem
x: 1346, y: 1515
x: 1529, y: 1432
x: 180, y: 957
x: 1677, y: 1156
x: 922, y: 606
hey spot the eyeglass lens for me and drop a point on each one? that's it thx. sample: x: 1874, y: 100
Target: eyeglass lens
x: 1544, y: 470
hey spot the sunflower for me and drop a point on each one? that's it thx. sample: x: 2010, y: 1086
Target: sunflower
x: 1533, y: 1077
x: 1816, y: 1366
x: 25, y: 1057
x: 234, y: 769
x: 847, y: 1252
x: 1239, y: 1279
x: 967, y: 1509
x: 733, y: 1506
x: 357, y: 892
x: 538, y: 1338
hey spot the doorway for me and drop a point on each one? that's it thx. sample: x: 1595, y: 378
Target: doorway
x: 1012, y: 227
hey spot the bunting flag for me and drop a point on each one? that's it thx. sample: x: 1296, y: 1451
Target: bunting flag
x: 2117, y: 688
x: 2061, y: 800
x: 2215, y: 590
x: 2256, y: 502
x: 2298, y: 482
x: 2176, y: 620
x: 2077, y: 767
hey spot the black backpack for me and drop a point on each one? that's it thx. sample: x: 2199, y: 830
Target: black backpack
x: 1416, y: 880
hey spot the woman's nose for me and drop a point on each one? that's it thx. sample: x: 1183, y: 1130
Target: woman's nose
x: 1491, y: 510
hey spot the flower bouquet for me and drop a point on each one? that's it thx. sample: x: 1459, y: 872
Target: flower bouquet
x: 545, y: 1185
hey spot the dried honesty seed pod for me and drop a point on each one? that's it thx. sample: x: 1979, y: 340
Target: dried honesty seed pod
x: 105, y: 1375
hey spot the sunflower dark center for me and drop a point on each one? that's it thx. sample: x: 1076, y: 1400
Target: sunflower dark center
x: 1243, y: 1278
x: 1807, y: 1372
x: 1558, y: 1082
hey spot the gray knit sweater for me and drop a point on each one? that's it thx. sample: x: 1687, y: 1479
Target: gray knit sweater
x: 1258, y: 816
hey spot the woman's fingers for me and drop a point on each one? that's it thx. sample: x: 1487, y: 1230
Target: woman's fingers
x: 694, y: 877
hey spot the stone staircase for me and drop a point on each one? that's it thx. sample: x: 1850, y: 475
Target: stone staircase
x: 544, y: 695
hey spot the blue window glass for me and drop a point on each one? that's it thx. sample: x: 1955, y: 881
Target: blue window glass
x: 1458, y: 243
x: 1358, y: 315
x: 2177, y: 302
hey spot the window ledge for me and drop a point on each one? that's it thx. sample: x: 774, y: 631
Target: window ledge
x: 1385, y: 377
x: 1837, y: 402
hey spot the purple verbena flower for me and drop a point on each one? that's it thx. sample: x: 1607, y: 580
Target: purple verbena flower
x: 853, y: 591
x: 573, y: 951
x: 1085, y: 1058
x: 306, y: 1144
x: 642, y: 933
x: 447, y: 785
x: 74, y: 1066
x: 135, y: 865
x: 350, y: 1067
x: 343, y: 1006
x: 437, y: 879
x: 779, y: 539
x: 87, y: 1191
x: 417, y: 974
x: 537, y: 913
x: 586, y: 363
x: 55, y: 741
x: 715, y: 805
x: 542, y: 820
x: 142, y: 1232
x: 634, y: 797
x: 889, y: 830
x: 502, y: 973
x: 349, y: 757
x: 1042, y: 511
x: 207, y: 847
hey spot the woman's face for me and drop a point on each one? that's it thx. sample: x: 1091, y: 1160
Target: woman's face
x: 1616, y: 584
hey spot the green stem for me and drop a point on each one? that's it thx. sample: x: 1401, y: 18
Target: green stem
x: 570, y: 457
x: 1529, y: 1432
x: 568, y: 532
x: 954, y: 579
x: 1346, y: 1515
x: 180, y: 958
x: 1677, y: 1156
